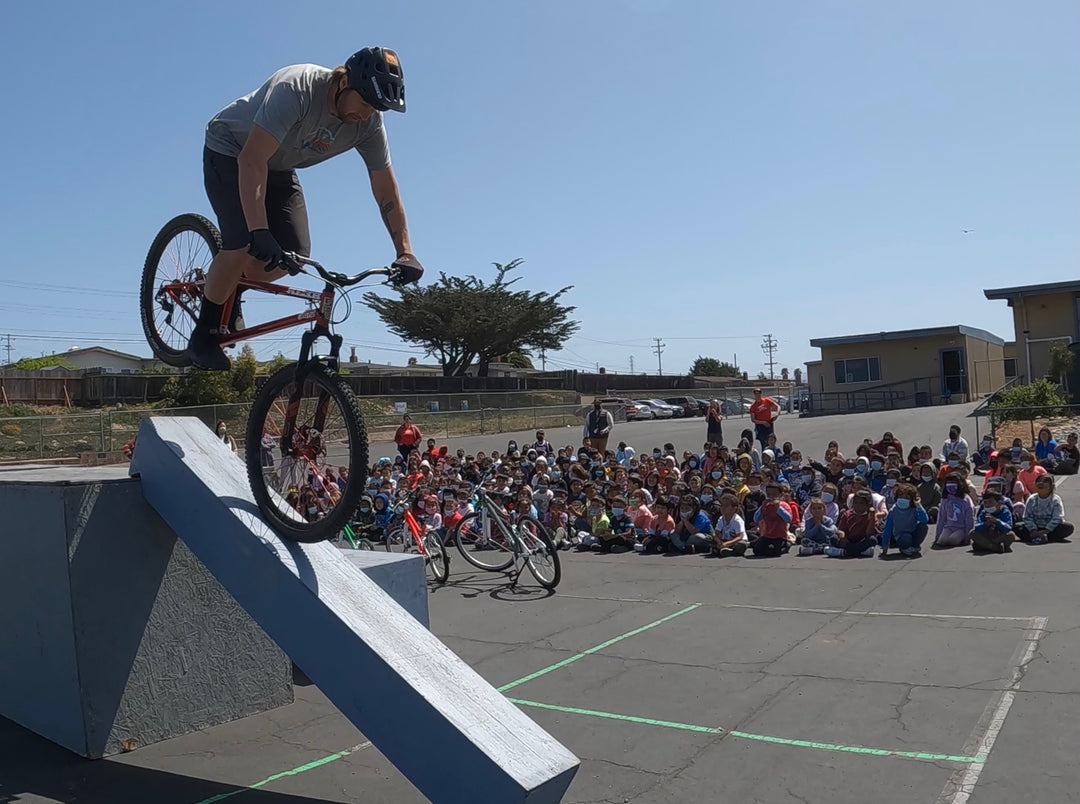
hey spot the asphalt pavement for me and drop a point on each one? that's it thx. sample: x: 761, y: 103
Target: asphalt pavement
x: 946, y: 679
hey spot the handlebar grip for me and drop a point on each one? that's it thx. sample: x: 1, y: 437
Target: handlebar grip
x: 409, y: 271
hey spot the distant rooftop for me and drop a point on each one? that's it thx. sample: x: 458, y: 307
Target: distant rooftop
x: 905, y: 334
x: 1070, y: 286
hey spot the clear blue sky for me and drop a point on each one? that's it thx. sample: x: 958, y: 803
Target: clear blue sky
x: 701, y: 172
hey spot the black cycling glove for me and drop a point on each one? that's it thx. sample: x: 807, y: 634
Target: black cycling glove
x: 408, y: 268
x: 265, y: 248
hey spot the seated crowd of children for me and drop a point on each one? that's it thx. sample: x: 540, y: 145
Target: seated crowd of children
x: 725, y: 502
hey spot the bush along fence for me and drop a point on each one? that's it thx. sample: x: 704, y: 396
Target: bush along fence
x: 65, y: 436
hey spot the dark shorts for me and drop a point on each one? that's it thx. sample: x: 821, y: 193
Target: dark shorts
x: 286, y: 211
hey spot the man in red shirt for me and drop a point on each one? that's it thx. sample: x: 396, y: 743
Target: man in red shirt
x: 407, y: 437
x: 763, y: 413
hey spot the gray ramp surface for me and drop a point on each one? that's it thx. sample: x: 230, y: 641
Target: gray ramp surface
x: 452, y: 734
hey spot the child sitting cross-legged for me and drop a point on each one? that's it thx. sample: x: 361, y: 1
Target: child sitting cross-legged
x: 659, y: 537
x: 729, y: 535
x: 956, y: 514
x: 1044, y: 515
x: 856, y: 529
x: 993, y: 531
x: 693, y: 530
x: 819, y: 531
x: 906, y: 522
x: 772, y: 518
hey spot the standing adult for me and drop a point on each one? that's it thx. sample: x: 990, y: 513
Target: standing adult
x: 763, y: 413
x: 598, y: 426
x: 715, y: 431
x: 407, y: 437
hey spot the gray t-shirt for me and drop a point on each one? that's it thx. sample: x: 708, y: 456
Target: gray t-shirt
x: 293, y: 106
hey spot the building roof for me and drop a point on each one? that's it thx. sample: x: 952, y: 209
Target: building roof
x: 1069, y: 286
x: 906, y: 334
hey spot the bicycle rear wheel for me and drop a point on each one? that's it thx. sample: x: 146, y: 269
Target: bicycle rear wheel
x: 171, y: 289
x: 315, y: 424
x: 483, y: 553
x: 542, y: 557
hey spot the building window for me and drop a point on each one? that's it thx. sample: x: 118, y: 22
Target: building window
x: 859, y: 369
x: 1010, y: 367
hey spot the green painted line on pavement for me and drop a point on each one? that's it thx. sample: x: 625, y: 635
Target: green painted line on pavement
x: 318, y: 763
x: 645, y: 721
x: 743, y: 735
x: 600, y: 647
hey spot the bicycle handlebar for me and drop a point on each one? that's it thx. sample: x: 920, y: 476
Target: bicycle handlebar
x: 398, y: 273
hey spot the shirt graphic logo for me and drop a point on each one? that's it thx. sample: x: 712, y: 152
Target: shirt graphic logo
x: 320, y: 141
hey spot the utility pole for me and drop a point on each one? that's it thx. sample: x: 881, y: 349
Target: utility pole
x: 631, y: 364
x: 769, y: 346
x: 659, y: 349
x: 8, y: 348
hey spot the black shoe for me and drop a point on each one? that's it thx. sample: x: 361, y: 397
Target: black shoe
x: 204, y: 352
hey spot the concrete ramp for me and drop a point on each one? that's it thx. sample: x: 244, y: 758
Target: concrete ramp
x: 453, y: 735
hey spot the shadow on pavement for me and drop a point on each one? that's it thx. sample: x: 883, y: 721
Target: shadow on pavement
x: 35, y: 767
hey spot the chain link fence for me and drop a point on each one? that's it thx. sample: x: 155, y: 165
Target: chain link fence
x: 27, y: 438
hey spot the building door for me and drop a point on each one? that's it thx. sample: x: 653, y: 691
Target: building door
x: 953, y: 377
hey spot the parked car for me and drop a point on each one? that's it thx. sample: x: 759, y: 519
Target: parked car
x: 661, y: 410
x: 644, y: 411
x: 613, y: 402
x: 690, y: 405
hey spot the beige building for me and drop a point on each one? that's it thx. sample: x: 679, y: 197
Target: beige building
x: 1042, y: 316
x: 906, y: 368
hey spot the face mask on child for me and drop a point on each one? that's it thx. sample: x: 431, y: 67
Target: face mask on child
x: 617, y: 511
x: 826, y: 496
x: 1025, y: 464
x: 927, y: 478
x: 848, y: 472
x: 875, y: 465
x: 686, y: 511
x: 990, y: 509
x: 890, y: 481
x: 715, y: 475
x: 903, y: 503
x: 951, y: 488
x: 706, y: 498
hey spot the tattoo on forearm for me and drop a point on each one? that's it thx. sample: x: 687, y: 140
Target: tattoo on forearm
x: 386, y: 209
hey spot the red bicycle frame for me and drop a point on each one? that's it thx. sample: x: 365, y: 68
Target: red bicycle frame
x: 320, y: 314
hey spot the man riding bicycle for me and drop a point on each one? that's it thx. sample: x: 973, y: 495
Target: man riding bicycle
x: 302, y: 115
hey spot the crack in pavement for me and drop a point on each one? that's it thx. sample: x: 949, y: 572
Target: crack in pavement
x: 899, y: 708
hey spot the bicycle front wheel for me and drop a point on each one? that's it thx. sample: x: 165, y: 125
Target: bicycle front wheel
x: 314, y: 424
x: 438, y: 561
x: 489, y: 552
x: 541, y: 555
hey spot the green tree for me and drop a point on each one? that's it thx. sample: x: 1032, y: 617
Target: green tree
x: 519, y: 360
x: 798, y: 376
x: 460, y: 320
x: 43, y: 362
x: 198, y: 387
x: 1061, y: 363
x: 784, y: 374
x: 711, y: 367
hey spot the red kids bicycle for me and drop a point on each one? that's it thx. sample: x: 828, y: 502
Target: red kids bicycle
x: 306, y: 444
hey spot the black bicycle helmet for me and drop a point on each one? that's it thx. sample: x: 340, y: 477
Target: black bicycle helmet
x: 375, y: 72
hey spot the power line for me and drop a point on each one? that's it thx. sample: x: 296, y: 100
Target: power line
x: 659, y: 349
x: 769, y: 347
